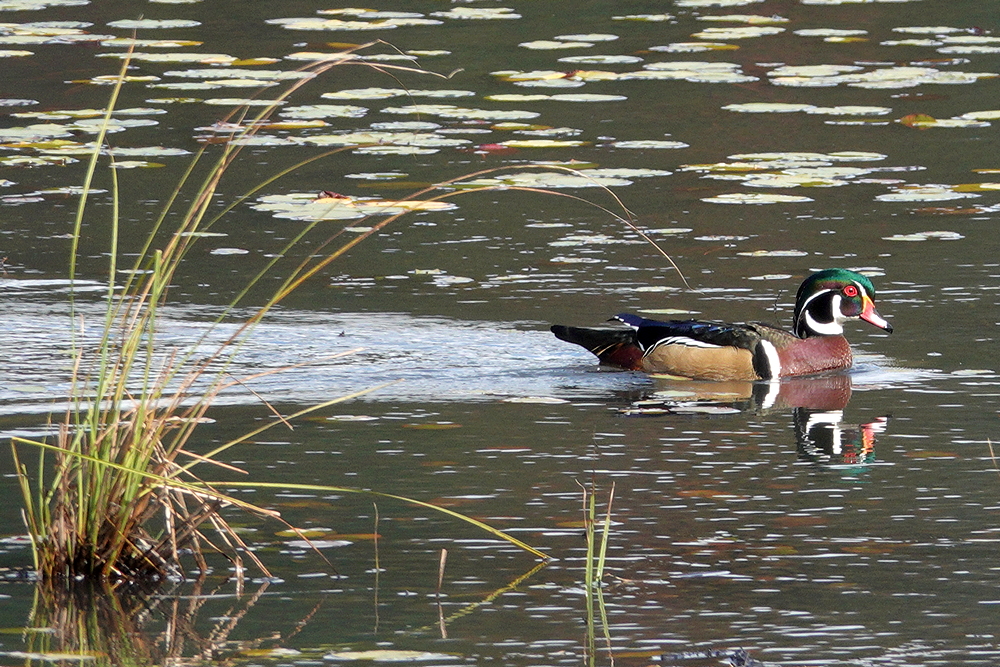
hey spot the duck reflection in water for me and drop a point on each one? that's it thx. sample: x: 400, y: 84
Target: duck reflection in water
x: 817, y: 405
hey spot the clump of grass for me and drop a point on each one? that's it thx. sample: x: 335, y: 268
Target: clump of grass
x: 116, y: 497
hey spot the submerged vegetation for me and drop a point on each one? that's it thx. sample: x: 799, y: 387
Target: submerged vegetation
x: 117, y: 496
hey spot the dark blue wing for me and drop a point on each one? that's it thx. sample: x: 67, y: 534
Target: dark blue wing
x: 649, y: 333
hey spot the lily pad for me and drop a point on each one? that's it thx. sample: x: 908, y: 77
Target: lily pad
x: 449, y: 111
x: 746, y: 32
x: 551, y: 45
x: 774, y: 253
x: 478, y: 13
x: 657, y: 144
x: 545, y: 179
x: 920, y: 193
x: 323, y: 111
x: 767, y: 107
x: 925, y: 236
x: 306, y: 206
x: 592, y: 37
x: 601, y: 60
x: 753, y: 19
x: 144, y: 24
x: 755, y: 198
x: 652, y: 18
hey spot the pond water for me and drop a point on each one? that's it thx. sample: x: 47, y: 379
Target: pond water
x: 850, y: 520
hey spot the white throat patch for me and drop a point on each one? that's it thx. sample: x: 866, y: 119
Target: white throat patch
x: 834, y: 328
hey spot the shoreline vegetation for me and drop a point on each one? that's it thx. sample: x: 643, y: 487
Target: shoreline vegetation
x: 118, y: 495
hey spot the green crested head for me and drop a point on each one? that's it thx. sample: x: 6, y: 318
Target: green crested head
x: 829, y: 298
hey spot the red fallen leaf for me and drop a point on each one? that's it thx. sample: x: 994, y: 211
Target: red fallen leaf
x: 327, y: 194
x: 499, y: 149
x: 918, y: 121
x: 945, y: 210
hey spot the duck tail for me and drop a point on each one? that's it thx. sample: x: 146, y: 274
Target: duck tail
x: 613, y: 347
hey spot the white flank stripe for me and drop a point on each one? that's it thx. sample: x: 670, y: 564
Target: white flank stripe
x: 771, y: 352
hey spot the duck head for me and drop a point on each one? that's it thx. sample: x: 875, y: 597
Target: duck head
x: 827, y: 299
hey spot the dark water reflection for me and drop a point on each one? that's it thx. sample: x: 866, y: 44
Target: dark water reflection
x: 847, y: 520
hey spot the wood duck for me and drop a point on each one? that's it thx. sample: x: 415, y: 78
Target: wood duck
x: 717, y: 351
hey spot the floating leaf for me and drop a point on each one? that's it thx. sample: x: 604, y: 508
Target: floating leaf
x: 601, y: 60
x: 753, y: 19
x: 323, y: 111
x: 768, y: 107
x: 915, y: 193
x: 387, y: 22
x: 755, y: 198
x: 773, y: 253
x: 550, y: 45
x: 695, y: 47
x: 304, y: 206
x: 143, y: 24
x: 925, y: 236
x: 849, y: 110
x: 592, y: 37
x: 747, y: 32
x: 478, y: 14
x: 448, y: 111
x: 829, y: 32
x: 653, y: 18
x: 241, y: 102
x: 542, y: 143
x: 128, y: 42
x: 649, y: 143
x: 136, y: 164
x: 544, y: 179
x: 205, y: 58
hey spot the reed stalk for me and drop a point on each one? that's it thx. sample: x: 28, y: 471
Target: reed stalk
x: 115, y: 496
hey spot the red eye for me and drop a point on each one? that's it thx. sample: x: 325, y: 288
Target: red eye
x: 850, y: 291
